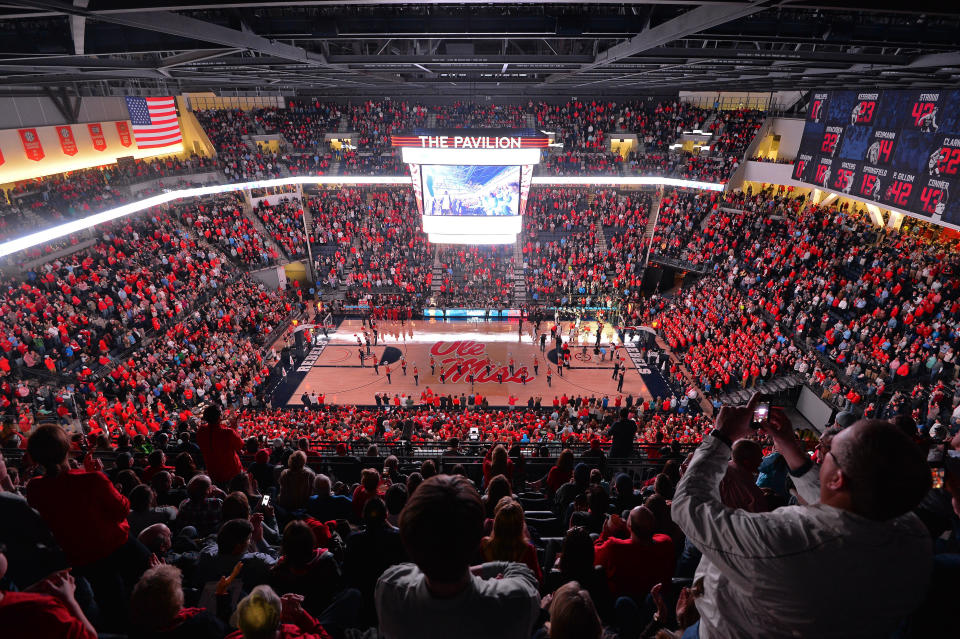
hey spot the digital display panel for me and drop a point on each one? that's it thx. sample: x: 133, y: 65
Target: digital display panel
x: 470, y: 190
x: 896, y: 148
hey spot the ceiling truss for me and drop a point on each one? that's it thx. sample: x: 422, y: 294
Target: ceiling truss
x: 488, y: 48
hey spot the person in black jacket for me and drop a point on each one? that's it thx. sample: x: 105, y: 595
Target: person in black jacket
x: 622, y: 435
x: 370, y: 551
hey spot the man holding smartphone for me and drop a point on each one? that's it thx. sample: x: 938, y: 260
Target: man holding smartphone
x: 853, y: 562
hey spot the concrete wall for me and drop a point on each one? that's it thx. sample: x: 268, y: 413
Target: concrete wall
x: 172, y: 181
x: 273, y: 277
x: 195, y: 139
x: 770, y: 173
x: 19, y: 112
x: 790, y: 131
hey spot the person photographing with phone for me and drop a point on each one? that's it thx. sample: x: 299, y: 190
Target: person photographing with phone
x: 852, y: 563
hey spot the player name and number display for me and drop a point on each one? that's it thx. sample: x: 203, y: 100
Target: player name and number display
x: 896, y: 148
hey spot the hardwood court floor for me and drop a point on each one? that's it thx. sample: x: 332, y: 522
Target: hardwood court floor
x: 337, y: 373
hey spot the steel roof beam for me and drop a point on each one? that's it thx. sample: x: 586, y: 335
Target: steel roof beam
x: 694, y: 21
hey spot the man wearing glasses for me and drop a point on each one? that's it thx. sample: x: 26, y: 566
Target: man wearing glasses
x: 852, y: 563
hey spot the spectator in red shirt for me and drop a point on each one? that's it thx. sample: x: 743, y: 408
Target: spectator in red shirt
x: 560, y: 473
x: 367, y: 490
x: 219, y: 445
x: 636, y: 564
x: 51, y: 612
x: 88, y: 518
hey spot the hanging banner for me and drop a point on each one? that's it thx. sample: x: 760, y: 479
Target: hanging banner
x: 31, y: 144
x: 124, y: 131
x: 96, y: 135
x: 67, y: 143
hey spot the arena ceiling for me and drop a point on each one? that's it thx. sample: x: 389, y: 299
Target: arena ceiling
x: 361, y: 48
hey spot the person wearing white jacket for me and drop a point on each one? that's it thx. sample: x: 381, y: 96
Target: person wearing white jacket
x: 852, y: 562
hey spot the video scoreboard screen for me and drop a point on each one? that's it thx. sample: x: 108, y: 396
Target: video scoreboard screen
x: 470, y: 190
x: 896, y: 148
x: 471, y: 187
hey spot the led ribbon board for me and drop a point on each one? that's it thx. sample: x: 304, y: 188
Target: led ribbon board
x: 69, y: 228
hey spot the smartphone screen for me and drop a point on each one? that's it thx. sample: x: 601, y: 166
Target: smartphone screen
x: 761, y: 413
x: 937, y: 474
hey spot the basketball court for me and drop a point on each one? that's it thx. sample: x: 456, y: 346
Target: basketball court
x: 460, y: 349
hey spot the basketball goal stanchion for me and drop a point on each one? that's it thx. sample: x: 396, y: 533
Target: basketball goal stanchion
x: 327, y: 324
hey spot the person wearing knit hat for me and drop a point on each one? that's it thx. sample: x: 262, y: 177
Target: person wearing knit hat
x: 845, y: 419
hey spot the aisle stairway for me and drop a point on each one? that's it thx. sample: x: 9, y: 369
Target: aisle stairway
x: 652, y: 221
x: 436, y: 273
x: 710, y: 120
x: 264, y: 233
x: 519, y: 281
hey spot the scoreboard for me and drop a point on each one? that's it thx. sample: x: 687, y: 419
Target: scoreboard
x: 896, y: 148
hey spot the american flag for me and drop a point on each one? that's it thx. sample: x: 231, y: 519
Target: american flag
x: 154, y: 122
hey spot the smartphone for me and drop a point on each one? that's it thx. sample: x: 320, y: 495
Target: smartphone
x: 760, y: 414
x: 265, y: 501
x: 937, y: 475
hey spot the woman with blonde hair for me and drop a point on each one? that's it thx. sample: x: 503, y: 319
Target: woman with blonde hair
x: 509, y: 541
x: 296, y: 482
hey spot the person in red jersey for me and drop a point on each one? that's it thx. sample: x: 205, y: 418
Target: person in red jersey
x: 219, y: 445
x: 88, y: 518
x: 634, y: 565
x: 49, y: 610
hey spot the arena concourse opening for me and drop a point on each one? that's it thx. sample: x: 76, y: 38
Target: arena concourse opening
x: 480, y: 320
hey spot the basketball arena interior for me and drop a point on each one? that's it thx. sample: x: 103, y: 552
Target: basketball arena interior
x: 363, y: 320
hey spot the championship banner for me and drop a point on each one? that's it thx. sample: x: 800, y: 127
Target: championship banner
x: 67, y: 143
x: 124, y: 132
x: 96, y: 136
x: 31, y: 144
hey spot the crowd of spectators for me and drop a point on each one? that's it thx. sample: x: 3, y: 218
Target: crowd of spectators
x: 223, y: 223
x: 582, y: 127
x: 433, y: 417
x: 284, y: 222
x: 239, y: 524
x: 393, y: 254
x: 475, y: 275
x: 337, y: 215
x: 859, y: 311
x: 681, y: 217
x: 151, y: 311
x: 466, y: 115
x: 564, y: 257
x: 141, y: 273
